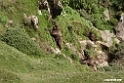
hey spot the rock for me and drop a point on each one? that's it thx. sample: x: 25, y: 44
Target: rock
x: 107, y: 37
x: 102, y: 59
x: 39, y: 12
x: 56, y: 50
x: 9, y: 24
x: 86, y: 42
x: 106, y: 13
x: 71, y: 47
x: 102, y: 64
x: 31, y: 20
x: 33, y: 39
x: 120, y: 28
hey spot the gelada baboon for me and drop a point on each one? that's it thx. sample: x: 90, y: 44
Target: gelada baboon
x: 55, y: 32
x: 43, y: 4
x: 89, y: 61
x: 54, y: 7
x: 91, y: 36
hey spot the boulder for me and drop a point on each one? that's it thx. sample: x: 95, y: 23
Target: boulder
x: 106, y: 13
x: 102, y: 59
x: 107, y: 37
x: 120, y: 28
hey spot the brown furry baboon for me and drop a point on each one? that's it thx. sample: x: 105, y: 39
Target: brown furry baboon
x: 54, y: 7
x: 43, y: 4
x: 91, y: 36
x: 89, y: 61
x: 57, y: 35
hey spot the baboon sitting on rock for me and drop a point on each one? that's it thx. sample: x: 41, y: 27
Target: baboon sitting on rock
x: 89, y: 61
x: 55, y: 32
x: 91, y: 36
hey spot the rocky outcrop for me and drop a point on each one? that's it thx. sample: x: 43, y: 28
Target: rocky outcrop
x: 107, y: 37
x: 106, y: 13
x: 120, y: 28
x: 73, y: 48
x: 101, y: 58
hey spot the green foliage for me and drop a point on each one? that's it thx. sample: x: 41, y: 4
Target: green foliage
x: 65, y: 2
x: 17, y: 67
x: 83, y: 4
x: 117, y: 55
x: 113, y: 21
x: 112, y: 67
x: 8, y: 77
x: 3, y: 19
x: 88, y: 52
x: 74, y: 57
x: 99, y: 22
x: 59, y: 56
x: 19, y: 39
x: 71, y: 54
x: 119, y: 51
x: 118, y: 4
x: 95, y: 9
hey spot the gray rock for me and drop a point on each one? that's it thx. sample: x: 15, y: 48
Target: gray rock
x: 106, y: 13
x: 120, y: 28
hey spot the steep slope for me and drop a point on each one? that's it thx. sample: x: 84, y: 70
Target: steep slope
x: 18, y: 60
x: 16, y: 67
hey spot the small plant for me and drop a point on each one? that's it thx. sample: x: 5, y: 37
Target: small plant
x: 74, y: 57
x: 59, y: 56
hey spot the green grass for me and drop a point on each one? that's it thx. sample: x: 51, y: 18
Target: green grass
x: 16, y: 67
x: 19, y: 67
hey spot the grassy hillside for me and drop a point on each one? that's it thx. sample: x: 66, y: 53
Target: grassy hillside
x: 16, y: 67
x: 25, y: 61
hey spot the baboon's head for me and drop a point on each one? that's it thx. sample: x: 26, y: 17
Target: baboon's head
x: 58, y: 4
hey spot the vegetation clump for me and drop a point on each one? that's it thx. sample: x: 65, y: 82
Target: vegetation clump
x: 20, y: 40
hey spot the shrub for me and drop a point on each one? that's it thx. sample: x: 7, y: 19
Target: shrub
x: 119, y: 51
x: 74, y: 57
x: 117, y: 54
x: 17, y: 38
x: 59, y: 56
x: 118, y: 4
x: 112, y: 67
x: 113, y: 21
x: 83, y: 4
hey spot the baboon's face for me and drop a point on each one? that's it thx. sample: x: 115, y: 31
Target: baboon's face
x: 43, y: 5
x: 58, y: 5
